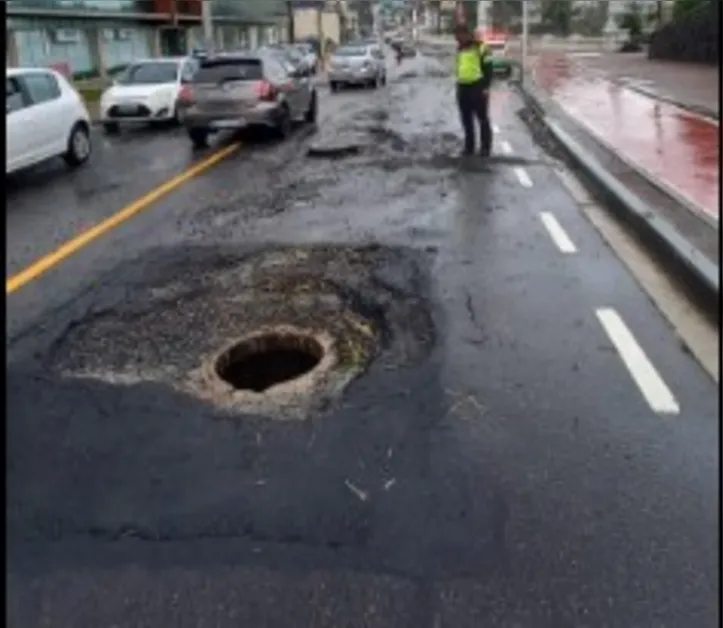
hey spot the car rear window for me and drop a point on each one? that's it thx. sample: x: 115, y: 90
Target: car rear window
x: 218, y: 70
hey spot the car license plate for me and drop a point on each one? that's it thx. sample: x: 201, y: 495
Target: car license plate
x: 234, y: 123
x: 127, y: 108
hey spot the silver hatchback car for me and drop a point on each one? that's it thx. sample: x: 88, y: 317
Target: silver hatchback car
x: 237, y: 90
x: 359, y: 64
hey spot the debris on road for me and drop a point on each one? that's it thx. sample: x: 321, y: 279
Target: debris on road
x: 362, y: 495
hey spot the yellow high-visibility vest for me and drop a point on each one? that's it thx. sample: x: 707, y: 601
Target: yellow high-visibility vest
x: 469, y: 66
x: 484, y: 50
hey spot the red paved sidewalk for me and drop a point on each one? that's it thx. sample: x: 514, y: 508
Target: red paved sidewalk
x: 676, y: 148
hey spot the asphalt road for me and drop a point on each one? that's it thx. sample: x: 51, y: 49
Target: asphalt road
x: 529, y: 445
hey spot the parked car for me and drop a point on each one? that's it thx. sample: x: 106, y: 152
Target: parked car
x: 45, y: 117
x: 237, y: 90
x: 146, y: 92
x: 357, y: 65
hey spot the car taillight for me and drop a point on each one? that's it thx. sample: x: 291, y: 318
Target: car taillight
x: 186, y: 95
x: 265, y: 90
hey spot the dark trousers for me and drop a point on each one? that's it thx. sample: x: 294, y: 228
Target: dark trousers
x: 473, y: 102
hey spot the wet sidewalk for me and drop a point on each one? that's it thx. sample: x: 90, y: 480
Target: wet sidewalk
x: 677, y: 149
x: 690, y: 86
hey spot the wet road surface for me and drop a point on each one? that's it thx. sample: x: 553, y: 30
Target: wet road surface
x: 529, y: 446
x: 674, y: 146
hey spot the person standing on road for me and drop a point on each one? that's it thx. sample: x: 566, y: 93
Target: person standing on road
x: 473, y: 75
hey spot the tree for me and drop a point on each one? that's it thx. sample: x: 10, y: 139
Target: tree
x: 682, y: 8
x: 504, y: 12
x: 591, y: 18
x: 632, y: 21
x: 557, y: 16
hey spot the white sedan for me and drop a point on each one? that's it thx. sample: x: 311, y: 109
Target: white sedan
x: 45, y: 118
x: 147, y: 91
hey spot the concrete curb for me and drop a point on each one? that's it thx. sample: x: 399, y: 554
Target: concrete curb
x: 697, y: 272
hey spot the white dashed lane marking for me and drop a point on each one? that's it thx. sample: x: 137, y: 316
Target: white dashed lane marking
x: 641, y: 369
x: 557, y: 233
x: 523, y: 177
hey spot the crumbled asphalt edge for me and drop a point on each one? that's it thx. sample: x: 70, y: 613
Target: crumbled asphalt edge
x: 405, y: 276
x: 201, y: 302
x: 248, y: 205
x: 686, y: 275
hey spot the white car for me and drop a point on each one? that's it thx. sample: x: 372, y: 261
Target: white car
x: 357, y: 65
x: 146, y: 91
x: 45, y: 118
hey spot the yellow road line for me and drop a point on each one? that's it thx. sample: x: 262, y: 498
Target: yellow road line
x: 44, y: 264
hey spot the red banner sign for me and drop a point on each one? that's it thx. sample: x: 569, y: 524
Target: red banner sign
x: 62, y: 67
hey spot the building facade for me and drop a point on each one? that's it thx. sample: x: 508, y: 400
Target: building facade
x: 88, y: 38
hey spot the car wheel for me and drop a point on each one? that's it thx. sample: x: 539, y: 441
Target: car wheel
x: 79, y: 145
x: 283, y: 124
x: 312, y: 111
x: 111, y: 128
x: 374, y: 82
x: 199, y: 137
x: 334, y: 86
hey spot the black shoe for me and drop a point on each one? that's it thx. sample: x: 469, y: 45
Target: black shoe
x: 485, y: 153
x: 466, y: 153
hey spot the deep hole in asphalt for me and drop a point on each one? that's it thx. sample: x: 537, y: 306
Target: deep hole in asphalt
x: 365, y: 306
x: 264, y: 361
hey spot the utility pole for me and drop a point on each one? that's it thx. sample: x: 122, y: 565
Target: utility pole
x: 207, y: 22
x: 525, y: 29
x: 290, y: 18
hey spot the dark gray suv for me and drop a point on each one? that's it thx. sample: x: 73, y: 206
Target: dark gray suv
x: 241, y: 89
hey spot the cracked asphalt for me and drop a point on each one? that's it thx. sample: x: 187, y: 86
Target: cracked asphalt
x: 531, y: 446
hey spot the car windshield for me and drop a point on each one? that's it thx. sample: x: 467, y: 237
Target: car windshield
x: 304, y: 48
x: 150, y: 73
x: 351, y: 52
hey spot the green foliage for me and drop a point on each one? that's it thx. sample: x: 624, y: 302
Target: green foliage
x: 591, y: 18
x: 683, y: 8
x: 557, y: 16
x: 502, y: 12
x: 632, y: 21
x: 90, y: 94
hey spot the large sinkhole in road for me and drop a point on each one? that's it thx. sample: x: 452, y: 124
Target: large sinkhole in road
x: 279, y: 332
x: 262, y: 362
